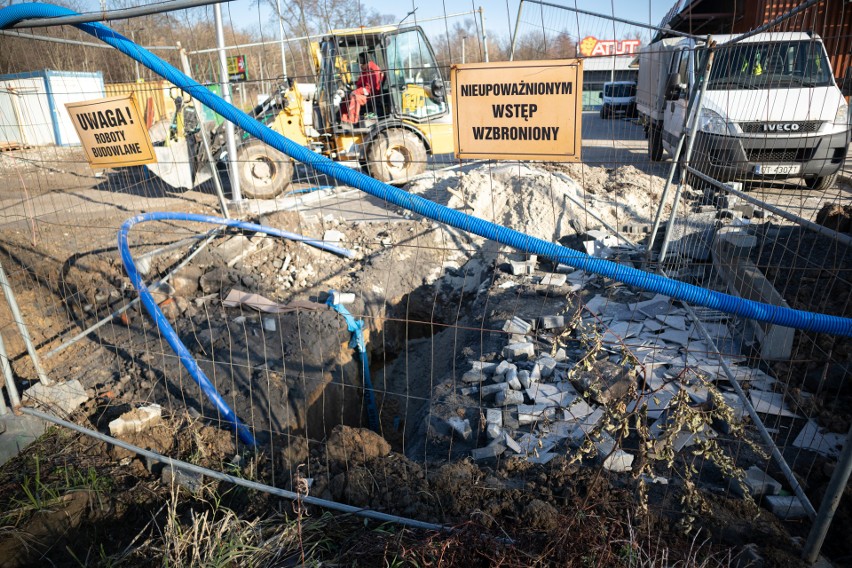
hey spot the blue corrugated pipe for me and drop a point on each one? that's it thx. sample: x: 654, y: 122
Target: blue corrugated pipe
x: 356, y: 328
x: 682, y: 291
x: 188, y: 361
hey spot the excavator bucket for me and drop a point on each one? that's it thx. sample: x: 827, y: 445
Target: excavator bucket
x: 174, y: 167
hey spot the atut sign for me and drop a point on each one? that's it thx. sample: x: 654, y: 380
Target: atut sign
x: 112, y: 132
x: 592, y: 46
x: 521, y: 110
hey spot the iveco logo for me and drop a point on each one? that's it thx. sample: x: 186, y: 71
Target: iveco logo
x: 785, y: 127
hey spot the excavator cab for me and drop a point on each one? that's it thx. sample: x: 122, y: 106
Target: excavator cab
x: 398, y: 125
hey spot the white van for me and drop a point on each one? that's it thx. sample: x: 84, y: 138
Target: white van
x: 619, y: 99
x: 772, y: 109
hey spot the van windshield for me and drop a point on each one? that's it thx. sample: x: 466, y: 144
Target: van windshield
x: 620, y: 91
x: 770, y: 65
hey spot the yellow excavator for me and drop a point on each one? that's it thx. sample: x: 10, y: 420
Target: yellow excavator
x: 408, y: 119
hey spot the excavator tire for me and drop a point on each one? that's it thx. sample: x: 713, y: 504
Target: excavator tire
x: 264, y: 171
x: 396, y: 155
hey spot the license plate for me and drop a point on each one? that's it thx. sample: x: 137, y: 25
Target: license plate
x: 777, y: 169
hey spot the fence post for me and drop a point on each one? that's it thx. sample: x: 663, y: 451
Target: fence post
x: 692, y: 130
x: 830, y: 501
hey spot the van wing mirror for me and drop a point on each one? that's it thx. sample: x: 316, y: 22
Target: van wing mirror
x: 600, y: 95
x: 846, y: 83
x: 673, y: 86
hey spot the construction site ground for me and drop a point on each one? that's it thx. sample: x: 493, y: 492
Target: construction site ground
x: 436, y: 302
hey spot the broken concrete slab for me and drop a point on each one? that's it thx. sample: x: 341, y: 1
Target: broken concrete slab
x: 474, y: 376
x: 137, y: 420
x: 332, y: 236
x: 551, y: 322
x: 579, y: 410
x: 554, y: 280
x: 492, y: 450
x: 501, y: 369
x: 619, y: 461
x: 815, y: 439
x: 62, y: 398
x: 484, y: 366
x: 675, y: 336
x: 524, y: 379
x: 673, y: 321
x: 656, y: 402
x: 191, y: 481
x: 607, y: 382
x: 770, y: 403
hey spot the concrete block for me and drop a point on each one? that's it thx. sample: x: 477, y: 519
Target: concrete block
x: 333, y: 237
x: 493, y: 431
x: 136, y: 420
x: 269, y: 324
x: 339, y: 298
x: 511, y: 443
x: 555, y: 280
x: 18, y: 432
x: 461, y: 427
x: 551, y: 322
x: 525, y: 268
x: 524, y: 378
x: 510, y: 419
x: 63, y: 398
x: 786, y: 507
x: 504, y: 366
x: 758, y: 483
x: 518, y: 350
x: 494, y: 416
x: 484, y: 366
x: 493, y: 389
x: 189, y: 480
x: 509, y: 397
x: 746, y: 280
x: 517, y: 325
x: 547, y: 364
x: 530, y: 413
x: 473, y: 376
x: 512, y: 380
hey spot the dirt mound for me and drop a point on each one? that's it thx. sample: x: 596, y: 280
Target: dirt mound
x: 836, y: 217
x: 547, y: 203
x: 355, y: 445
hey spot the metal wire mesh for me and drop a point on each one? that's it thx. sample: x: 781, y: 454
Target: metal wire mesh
x: 470, y: 349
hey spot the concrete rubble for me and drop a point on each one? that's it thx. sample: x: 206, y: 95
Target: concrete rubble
x: 136, y: 420
x: 538, y: 402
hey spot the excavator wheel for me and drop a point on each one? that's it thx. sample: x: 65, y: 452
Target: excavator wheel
x: 264, y: 171
x: 396, y: 155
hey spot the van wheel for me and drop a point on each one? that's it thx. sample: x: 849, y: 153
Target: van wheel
x: 264, y: 171
x: 820, y: 183
x: 396, y: 155
x: 655, y: 143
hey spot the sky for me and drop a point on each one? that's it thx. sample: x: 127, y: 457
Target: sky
x: 500, y: 15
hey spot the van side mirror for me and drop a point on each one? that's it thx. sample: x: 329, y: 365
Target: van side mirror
x: 600, y: 95
x: 846, y: 83
x: 673, y: 86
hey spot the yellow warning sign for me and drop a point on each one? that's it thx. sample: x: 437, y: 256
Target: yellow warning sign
x: 522, y: 110
x: 112, y: 132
